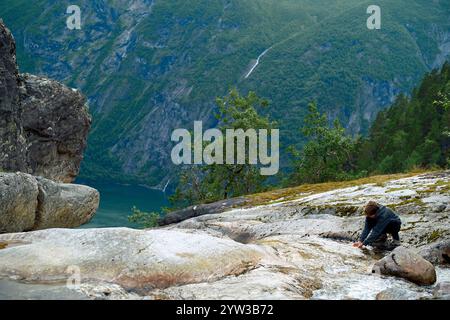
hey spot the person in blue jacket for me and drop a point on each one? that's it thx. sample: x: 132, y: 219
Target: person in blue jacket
x: 380, y: 221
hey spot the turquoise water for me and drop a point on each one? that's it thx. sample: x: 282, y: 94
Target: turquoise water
x: 116, y: 202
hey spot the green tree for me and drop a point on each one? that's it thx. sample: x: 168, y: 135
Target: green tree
x: 145, y: 219
x: 328, y: 154
x: 215, y: 182
x: 208, y: 183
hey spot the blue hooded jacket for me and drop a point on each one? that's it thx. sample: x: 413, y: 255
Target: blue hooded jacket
x: 376, y: 226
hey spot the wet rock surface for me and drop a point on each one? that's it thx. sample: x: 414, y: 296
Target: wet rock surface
x: 311, y: 237
x: 397, y: 294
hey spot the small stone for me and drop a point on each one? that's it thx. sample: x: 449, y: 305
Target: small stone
x: 440, y: 208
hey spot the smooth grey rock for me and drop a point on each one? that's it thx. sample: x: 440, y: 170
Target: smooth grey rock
x: 12, y: 290
x: 406, y: 264
x: 33, y: 203
x: 64, y: 205
x: 298, y: 261
x: 133, y: 259
x: 18, y: 202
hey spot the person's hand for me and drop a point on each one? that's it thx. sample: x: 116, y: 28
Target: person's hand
x: 358, y: 244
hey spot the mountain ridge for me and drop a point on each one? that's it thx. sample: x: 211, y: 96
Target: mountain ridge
x: 147, y: 72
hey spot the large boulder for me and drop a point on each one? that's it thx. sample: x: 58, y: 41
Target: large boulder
x: 30, y: 203
x: 407, y: 264
x: 64, y: 205
x: 18, y: 202
x: 56, y: 124
x: 133, y: 259
x: 43, y: 124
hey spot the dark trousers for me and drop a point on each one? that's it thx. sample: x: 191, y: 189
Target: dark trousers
x: 393, y: 228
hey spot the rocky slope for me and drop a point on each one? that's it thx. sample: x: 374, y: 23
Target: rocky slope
x: 44, y: 124
x: 296, y: 248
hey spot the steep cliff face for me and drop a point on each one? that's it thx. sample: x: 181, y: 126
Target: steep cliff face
x: 44, y: 124
x: 12, y: 143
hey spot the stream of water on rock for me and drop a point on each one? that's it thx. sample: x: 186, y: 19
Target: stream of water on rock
x: 347, y: 275
x: 367, y: 286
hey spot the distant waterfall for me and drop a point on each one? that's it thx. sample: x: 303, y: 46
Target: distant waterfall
x: 165, y: 187
x: 257, y: 63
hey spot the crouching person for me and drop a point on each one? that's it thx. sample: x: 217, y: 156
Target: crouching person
x: 380, y: 221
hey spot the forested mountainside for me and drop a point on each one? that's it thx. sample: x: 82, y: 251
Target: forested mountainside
x: 413, y: 132
x: 149, y: 66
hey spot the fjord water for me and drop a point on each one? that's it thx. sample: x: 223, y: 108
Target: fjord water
x: 116, y: 202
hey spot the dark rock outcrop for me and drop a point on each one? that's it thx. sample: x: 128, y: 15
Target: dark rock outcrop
x: 43, y: 132
x: 43, y: 124
x: 407, y: 264
x: 12, y: 141
x: 56, y: 124
x: 201, y: 210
